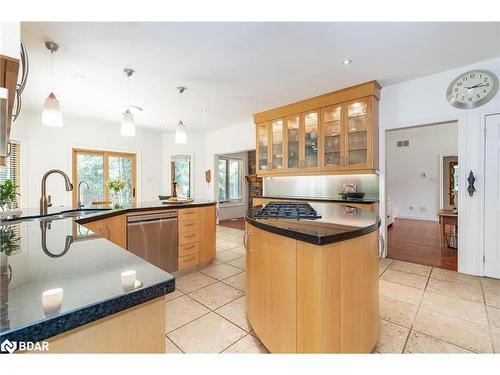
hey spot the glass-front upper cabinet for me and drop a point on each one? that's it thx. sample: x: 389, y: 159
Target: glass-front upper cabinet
x: 358, y: 134
x: 292, y: 129
x: 331, y: 133
x: 262, y: 147
x: 277, y: 152
x: 310, y: 140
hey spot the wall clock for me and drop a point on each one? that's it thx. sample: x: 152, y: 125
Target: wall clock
x: 472, y: 89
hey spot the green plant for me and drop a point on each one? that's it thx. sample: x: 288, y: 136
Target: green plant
x: 116, y: 185
x: 7, y: 193
x: 9, y: 241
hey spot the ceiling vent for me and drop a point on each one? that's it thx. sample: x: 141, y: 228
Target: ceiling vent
x: 405, y: 143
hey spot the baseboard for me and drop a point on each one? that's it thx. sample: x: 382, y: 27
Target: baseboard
x: 417, y: 218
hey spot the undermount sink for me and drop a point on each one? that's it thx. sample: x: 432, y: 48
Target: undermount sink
x: 56, y: 216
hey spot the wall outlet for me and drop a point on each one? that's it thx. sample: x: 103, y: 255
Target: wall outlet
x: 425, y: 208
x: 412, y: 208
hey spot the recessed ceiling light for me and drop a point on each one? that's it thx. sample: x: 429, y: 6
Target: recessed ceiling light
x: 347, y: 62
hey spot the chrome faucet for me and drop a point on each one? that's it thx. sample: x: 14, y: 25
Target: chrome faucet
x: 45, y: 202
x: 79, y: 204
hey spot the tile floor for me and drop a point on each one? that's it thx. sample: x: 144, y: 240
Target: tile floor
x: 422, y: 309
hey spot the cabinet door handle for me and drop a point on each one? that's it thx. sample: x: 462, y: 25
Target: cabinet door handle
x: 108, y: 232
x: 381, y: 246
x: 246, y: 237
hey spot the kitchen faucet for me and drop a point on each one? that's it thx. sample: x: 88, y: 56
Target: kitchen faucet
x: 79, y: 203
x: 45, y: 202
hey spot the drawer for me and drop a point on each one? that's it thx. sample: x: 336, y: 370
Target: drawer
x: 188, y: 226
x: 189, y: 237
x: 188, y: 214
x: 188, y: 261
x: 189, y: 249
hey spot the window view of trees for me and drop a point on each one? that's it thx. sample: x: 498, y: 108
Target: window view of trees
x: 229, y: 179
x: 90, y: 168
x: 180, y: 172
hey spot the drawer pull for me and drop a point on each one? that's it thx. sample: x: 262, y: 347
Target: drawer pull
x: 189, y: 213
x: 191, y: 235
x: 188, y: 259
x: 189, y: 247
x: 189, y: 225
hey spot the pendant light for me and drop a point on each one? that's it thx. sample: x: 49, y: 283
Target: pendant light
x: 180, y: 130
x: 51, y: 113
x: 127, y: 128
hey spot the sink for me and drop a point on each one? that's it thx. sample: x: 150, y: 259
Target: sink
x: 55, y: 216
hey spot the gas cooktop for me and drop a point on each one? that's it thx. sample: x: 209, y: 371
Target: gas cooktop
x: 287, y: 210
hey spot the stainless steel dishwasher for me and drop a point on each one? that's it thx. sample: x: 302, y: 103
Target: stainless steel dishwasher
x: 154, y: 238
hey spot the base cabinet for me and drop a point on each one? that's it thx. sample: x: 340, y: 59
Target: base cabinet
x: 303, y: 298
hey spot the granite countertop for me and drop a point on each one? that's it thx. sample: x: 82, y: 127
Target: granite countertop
x: 364, y: 200
x: 338, y: 223
x: 61, y: 253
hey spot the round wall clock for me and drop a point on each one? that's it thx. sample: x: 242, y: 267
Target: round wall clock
x: 472, y: 89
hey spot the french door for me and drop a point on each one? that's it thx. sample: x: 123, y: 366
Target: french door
x: 492, y: 197
x: 96, y: 168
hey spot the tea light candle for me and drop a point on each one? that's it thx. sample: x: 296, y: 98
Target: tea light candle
x: 52, y: 301
x: 128, y: 279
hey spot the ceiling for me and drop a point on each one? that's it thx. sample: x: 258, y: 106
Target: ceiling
x: 232, y: 70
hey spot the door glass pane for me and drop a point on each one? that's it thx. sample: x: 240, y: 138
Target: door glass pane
x: 234, y: 179
x: 357, y: 147
x: 222, y: 180
x: 331, y: 134
x: 262, y: 136
x: 277, y: 127
x: 180, y: 172
x: 292, y: 137
x: 120, y: 167
x: 90, y: 168
x: 311, y: 140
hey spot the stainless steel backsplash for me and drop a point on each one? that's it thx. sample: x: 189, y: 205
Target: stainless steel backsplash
x: 319, y: 186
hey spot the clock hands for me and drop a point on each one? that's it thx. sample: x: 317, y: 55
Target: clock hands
x: 475, y: 86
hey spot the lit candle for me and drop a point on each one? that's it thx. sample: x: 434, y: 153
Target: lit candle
x: 128, y: 279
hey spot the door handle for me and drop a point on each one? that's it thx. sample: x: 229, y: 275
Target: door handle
x: 246, y: 237
x: 381, y: 246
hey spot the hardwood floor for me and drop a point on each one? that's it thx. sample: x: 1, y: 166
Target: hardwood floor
x: 417, y: 241
x: 234, y: 223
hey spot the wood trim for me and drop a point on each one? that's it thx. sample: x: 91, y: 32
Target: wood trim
x: 371, y: 88
x: 140, y: 329
x: 322, y: 172
x: 105, y: 155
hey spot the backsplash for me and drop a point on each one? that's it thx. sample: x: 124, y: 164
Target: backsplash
x: 327, y: 186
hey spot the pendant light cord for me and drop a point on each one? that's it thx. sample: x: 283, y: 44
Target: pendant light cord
x: 51, y: 71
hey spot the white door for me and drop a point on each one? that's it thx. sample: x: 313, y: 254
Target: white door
x: 492, y: 197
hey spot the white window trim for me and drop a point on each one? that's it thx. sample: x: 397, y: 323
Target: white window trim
x: 231, y: 202
x: 191, y: 173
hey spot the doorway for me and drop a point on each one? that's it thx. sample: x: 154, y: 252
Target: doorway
x: 94, y: 168
x: 422, y: 170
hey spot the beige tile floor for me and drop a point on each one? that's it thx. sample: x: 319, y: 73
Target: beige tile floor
x: 422, y: 309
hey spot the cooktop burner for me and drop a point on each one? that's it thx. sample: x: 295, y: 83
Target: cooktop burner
x: 287, y: 210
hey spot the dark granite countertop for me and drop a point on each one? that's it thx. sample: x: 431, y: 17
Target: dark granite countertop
x: 338, y: 223
x: 364, y: 200
x: 61, y: 253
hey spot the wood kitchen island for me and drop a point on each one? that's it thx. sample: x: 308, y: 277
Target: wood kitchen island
x: 312, y: 285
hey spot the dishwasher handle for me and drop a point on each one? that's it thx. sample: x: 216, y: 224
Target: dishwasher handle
x: 153, y: 221
x: 152, y: 217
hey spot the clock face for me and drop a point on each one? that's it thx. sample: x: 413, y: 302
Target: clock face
x: 472, y: 89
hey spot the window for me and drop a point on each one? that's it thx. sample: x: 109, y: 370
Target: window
x: 12, y: 170
x: 96, y: 168
x: 180, y: 172
x: 230, y: 179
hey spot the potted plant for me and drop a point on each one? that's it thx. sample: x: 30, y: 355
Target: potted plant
x: 8, y: 193
x: 115, y: 186
x: 9, y: 240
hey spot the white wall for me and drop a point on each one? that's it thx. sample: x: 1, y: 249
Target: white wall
x: 423, y: 101
x: 195, y: 147
x: 46, y: 147
x: 413, y: 172
x: 10, y: 39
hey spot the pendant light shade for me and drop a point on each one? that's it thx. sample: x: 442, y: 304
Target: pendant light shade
x: 180, y: 133
x: 180, y: 130
x: 51, y: 114
x: 128, y: 125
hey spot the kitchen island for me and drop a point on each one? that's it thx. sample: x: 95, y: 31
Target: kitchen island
x: 77, y: 290
x: 312, y: 285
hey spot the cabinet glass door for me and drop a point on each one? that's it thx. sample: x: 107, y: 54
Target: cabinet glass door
x: 331, y: 133
x: 262, y: 152
x: 357, y: 133
x: 292, y: 139
x: 277, y: 148
x: 310, y: 159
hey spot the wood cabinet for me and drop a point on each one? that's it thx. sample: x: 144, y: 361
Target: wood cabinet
x: 271, y: 289
x: 304, y: 298
x: 113, y: 229
x: 338, y: 133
